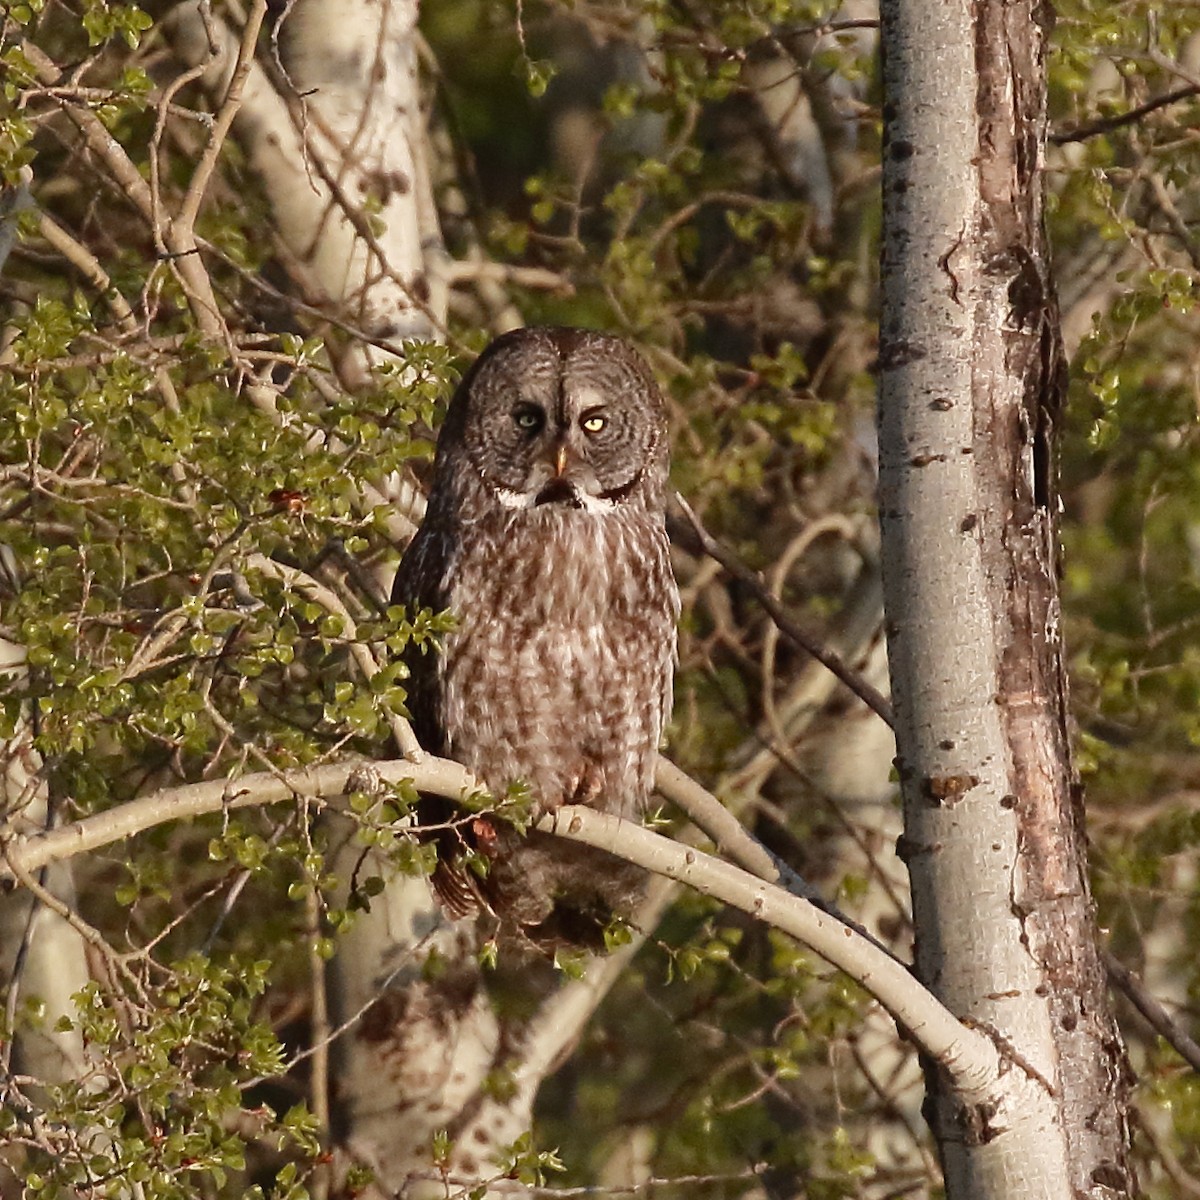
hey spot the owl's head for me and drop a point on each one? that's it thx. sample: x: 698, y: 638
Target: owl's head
x: 560, y: 417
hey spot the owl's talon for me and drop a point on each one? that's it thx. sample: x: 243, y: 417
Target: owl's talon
x: 546, y: 808
x: 485, y: 836
x: 587, y: 787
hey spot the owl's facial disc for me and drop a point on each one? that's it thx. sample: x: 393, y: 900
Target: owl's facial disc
x: 560, y: 454
x: 564, y: 424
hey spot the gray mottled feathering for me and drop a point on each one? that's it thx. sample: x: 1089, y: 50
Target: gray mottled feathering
x: 545, y: 537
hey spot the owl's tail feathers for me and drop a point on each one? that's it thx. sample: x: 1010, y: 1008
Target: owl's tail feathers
x: 457, y: 890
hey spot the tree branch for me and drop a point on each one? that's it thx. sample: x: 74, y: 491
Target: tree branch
x: 184, y: 223
x: 23, y: 854
x: 865, y: 691
x: 972, y: 1060
x: 438, y: 776
x: 101, y: 143
x: 1152, y: 1010
x: 1107, y: 124
x: 180, y: 233
x: 709, y: 815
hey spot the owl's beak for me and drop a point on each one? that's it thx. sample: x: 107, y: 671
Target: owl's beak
x: 559, y: 489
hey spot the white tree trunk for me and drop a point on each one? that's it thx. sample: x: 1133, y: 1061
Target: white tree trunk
x: 338, y: 139
x: 43, y: 958
x: 43, y: 961
x: 969, y: 379
x: 341, y: 152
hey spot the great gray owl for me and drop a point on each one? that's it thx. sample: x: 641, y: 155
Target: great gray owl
x: 545, y: 537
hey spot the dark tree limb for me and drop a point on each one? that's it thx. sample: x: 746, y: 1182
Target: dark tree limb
x: 1157, y: 1017
x: 1081, y: 133
x: 794, y: 633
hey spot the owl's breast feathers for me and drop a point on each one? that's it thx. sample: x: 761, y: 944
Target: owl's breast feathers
x: 558, y: 672
x: 545, y: 538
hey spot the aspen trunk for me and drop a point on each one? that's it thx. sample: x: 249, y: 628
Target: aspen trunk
x: 971, y: 379
x: 43, y: 960
x: 340, y: 146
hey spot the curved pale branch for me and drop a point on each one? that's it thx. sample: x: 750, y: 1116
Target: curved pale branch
x: 975, y: 1064
x: 438, y: 776
x: 979, y: 1071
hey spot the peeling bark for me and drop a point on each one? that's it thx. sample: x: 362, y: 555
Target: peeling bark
x: 971, y: 383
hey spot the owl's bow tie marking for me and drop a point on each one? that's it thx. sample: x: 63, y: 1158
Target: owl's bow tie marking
x: 559, y: 491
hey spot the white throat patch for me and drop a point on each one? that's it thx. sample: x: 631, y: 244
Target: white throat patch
x: 519, y: 500
x: 512, y: 499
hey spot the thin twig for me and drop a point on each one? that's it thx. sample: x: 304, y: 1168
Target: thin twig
x: 99, y: 140
x: 868, y: 694
x: 1151, y: 1008
x: 91, y: 935
x: 1107, y: 124
x: 185, y: 221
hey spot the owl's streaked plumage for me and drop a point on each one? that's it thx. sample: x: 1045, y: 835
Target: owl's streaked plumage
x: 545, y: 537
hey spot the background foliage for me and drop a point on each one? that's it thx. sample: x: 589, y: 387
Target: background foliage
x: 700, y: 177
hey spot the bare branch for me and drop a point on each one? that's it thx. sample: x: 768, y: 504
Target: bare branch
x: 184, y: 223
x: 971, y: 1059
x: 438, y: 776
x: 1107, y: 124
x: 969, y: 1056
x: 729, y: 835
x: 866, y: 692
x: 180, y: 235
x: 1155, y: 1014
x: 101, y: 143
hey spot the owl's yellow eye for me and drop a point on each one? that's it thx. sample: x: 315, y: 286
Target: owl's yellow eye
x: 528, y: 418
x: 593, y: 423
